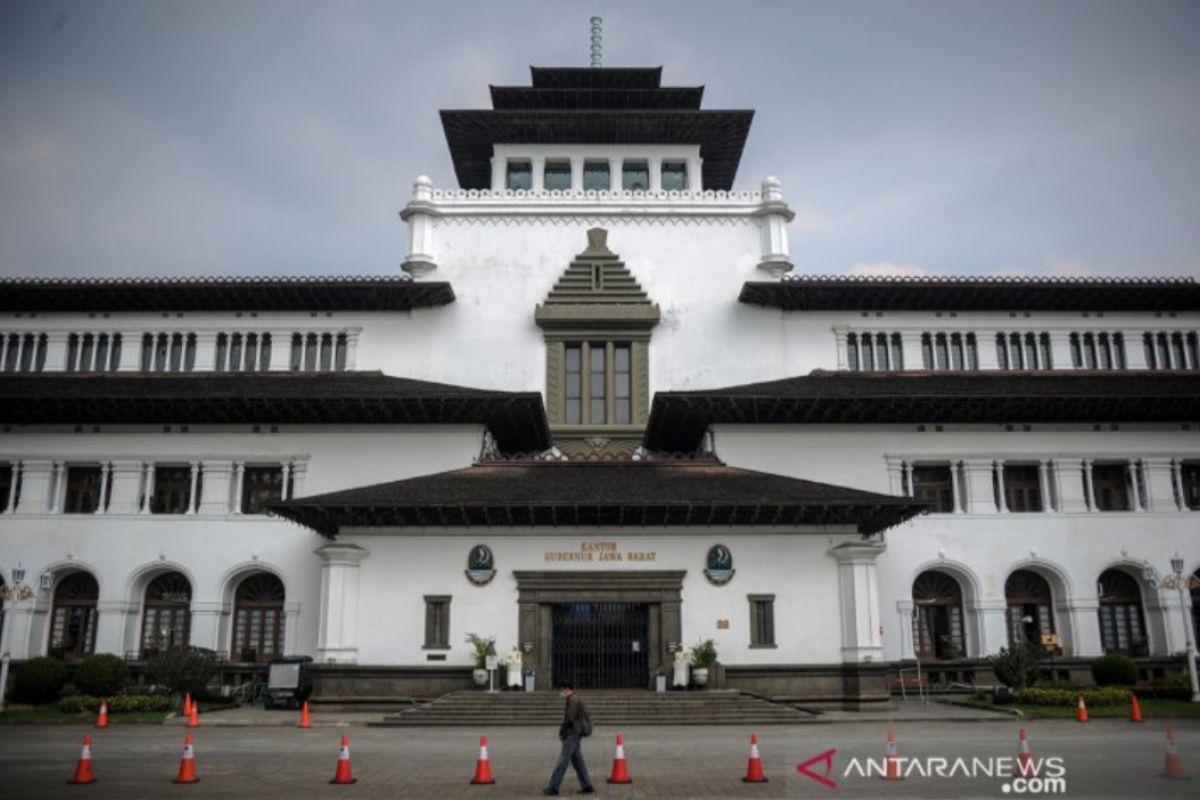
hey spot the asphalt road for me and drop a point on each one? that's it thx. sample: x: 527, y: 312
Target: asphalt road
x: 1100, y: 759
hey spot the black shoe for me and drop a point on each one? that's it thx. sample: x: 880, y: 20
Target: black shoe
x: 550, y: 792
x: 587, y: 790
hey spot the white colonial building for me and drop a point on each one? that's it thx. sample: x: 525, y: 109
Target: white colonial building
x: 598, y: 419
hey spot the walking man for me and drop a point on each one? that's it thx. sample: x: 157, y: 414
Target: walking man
x: 576, y: 725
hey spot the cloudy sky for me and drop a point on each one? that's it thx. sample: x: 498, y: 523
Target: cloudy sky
x: 255, y: 137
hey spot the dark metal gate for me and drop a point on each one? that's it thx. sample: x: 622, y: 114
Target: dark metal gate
x: 601, y: 645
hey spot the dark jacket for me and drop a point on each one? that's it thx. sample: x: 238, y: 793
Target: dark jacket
x: 573, y: 712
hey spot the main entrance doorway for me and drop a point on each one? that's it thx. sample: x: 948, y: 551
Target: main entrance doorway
x: 601, y: 645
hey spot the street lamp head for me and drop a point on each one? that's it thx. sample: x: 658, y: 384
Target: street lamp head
x: 1177, y: 564
x: 46, y: 581
x: 18, y: 574
x: 1148, y: 574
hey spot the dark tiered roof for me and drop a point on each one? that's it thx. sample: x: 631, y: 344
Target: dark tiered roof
x: 595, y: 106
x: 626, y: 493
x: 678, y: 420
x: 346, y: 293
x: 517, y: 420
x: 850, y: 293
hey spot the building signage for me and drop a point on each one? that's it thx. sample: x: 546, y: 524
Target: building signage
x: 601, y: 551
x: 481, y: 565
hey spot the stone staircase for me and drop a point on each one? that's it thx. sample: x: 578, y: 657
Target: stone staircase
x: 616, y: 708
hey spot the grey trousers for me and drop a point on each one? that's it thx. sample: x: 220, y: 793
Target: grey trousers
x: 570, y: 754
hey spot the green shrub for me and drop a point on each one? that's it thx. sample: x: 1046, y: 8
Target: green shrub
x: 101, y: 675
x: 39, y: 680
x: 1019, y: 667
x: 182, y: 669
x: 1114, y: 669
x: 1106, y: 696
x: 118, y: 704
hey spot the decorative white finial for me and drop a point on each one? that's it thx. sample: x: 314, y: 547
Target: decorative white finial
x: 597, y: 40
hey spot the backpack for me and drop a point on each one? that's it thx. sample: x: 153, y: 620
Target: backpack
x: 585, y: 721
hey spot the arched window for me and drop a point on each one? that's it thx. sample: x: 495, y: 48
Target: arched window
x: 258, y: 618
x: 1122, y: 624
x: 1029, y: 608
x: 166, y: 618
x: 938, y: 625
x: 73, y: 620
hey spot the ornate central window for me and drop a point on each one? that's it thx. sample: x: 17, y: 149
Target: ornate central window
x: 597, y: 323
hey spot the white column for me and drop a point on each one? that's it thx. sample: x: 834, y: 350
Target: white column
x: 56, y: 352
x: 695, y: 174
x: 655, y: 165
x: 58, y: 487
x: 910, y: 344
x: 14, y: 482
x: 537, y: 165
x: 577, y: 173
x: 148, y: 495
x: 981, y: 494
x: 291, y: 613
x: 499, y: 170
x: 895, y: 467
x: 1001, y: 496
x: 239, y: 469
x: 954, y: 487
x: 287, y: 469
x: 191, y: 509
x: 299, y: 473
x: 338, y: 633
x: 1044, y: 483
x: 839, y: 336
x: 215, y: 497
x: 1091, y: 485
x: 102, y: 506
x: 36, y: 479
x: 614, y: 174
x: 1070, y: 482
x: 1167, y: 353
x: 904, y: 612
x: 908, y: 479
x: 1176, y: 485
x: 352, y: 349
x: 1131, y: 469
x: 858, y: 595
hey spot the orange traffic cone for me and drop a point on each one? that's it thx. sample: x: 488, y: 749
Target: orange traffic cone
x: 194, y: 716
x: 1135, y: 709
x: 344, y: 773
x: 483, y: 766
x: 83, y: 767
x: 187, y: 704
x: 891, y: 757
x: 102, y: 720
x: 1025, y: 766
x: 620, y: 770
x: 754, y: 768
x: 187, y: 764
x: 1172, y: 766
x: 305, y: 722
x: 1081, y: 710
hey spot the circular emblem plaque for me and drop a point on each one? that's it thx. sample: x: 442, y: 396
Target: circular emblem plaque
x: 481, y: 566
x: 719, y: 564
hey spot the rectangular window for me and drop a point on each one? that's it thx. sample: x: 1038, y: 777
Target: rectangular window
x: 437, y: 622
x: 7, y: 490
x: 1022, y: 488
x: 172, y: 490
x: 1189, y: 480
x: 934, y: 485
x: 573, y: 412
x: 261, y: 485
x: 622, y: 385
x: 635, y: 176
x: 597, y: 389
x: 596, y: 176
x: 674, y: 176
x: 557, y: 176
x: 1111, y: 491
x: 520, y: 176
x: 762, y: 620
x: 83, y: 490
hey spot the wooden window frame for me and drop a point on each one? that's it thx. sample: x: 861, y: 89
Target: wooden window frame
x: 762, y: 622
x: 437, y: 604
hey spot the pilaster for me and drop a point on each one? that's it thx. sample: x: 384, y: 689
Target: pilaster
x: 858, y: 594
x: 1068, y: 475
x: 56, y: 352
x: 214, y: 499
x: 36, y: 479
x: 1060, y: 350
x: 338, y: 632
x: 774, y: 216
x: 126, y: 483
x: 981, y: 496
x: 419, y: 216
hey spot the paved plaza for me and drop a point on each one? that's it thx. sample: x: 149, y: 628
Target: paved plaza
x: 1102, y: 759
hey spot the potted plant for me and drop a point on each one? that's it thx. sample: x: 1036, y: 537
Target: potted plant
x: 704, y: 655
x: 483, y: 647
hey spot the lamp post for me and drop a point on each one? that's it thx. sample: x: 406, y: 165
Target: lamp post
x: 18, y: 592
x: 1178, y: 582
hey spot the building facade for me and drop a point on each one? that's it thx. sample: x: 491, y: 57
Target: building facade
x: 598, y: 419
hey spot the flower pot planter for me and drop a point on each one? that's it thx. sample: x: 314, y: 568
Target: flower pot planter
x: 700, y: 676
x: 480, y: 676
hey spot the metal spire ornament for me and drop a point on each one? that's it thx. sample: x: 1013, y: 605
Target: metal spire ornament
x: 597, y: 40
